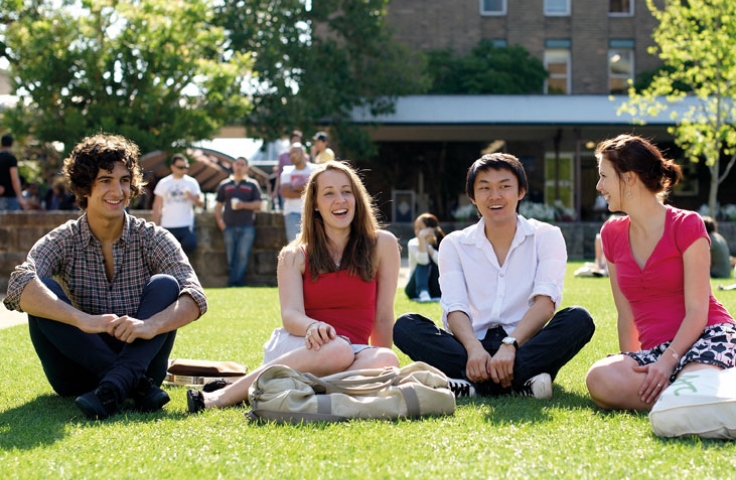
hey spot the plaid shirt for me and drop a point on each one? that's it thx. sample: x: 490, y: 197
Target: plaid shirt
x: 73, y: 256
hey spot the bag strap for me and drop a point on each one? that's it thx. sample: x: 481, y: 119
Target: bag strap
x: 372, y: 381
x: 411, y: 399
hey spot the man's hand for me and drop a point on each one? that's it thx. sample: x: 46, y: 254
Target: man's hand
x: 96, y: 323
x: 127, y: 329
x: 502, y: 365
x: 477, y: 368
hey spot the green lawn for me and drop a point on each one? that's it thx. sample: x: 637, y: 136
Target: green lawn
x: 45, y: 436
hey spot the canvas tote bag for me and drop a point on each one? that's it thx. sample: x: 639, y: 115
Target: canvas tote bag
x: 701, y: 403
x: 284, y: 395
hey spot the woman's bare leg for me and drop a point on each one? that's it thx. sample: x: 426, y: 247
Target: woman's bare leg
x: 377, y: 357
x: 334, y: 356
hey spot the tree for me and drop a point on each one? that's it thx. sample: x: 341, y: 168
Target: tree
x: 318, y: 61
x: 155, y: 71
x: 485, y: 70
x: 695, y: 40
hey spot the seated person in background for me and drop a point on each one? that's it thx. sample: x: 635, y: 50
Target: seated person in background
x: 720, y: 256
x: 105, y: 293
x: 424, y: 274
x: 501, y: 282
x: 30, y: 194
x: 57, y: 197
x: 668, y: 320
x: 337, y: 283
x: 599, y: 268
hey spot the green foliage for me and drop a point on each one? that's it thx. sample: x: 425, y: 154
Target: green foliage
x: 696, y: 41
x: 316, y: 65
x: 155, y: 71
x: 486, y: 70
x: 45, y: 436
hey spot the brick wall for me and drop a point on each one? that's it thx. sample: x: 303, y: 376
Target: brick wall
x: 458, y: 25
x: 20, y: 230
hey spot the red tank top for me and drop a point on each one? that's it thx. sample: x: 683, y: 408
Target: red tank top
x: 344, y: 301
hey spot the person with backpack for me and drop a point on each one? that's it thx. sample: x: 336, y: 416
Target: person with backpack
x: 337, y: 282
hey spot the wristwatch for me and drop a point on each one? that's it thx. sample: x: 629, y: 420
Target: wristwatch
x: 510, y: 341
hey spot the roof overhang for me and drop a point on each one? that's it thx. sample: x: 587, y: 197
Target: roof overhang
x: 509, y: 117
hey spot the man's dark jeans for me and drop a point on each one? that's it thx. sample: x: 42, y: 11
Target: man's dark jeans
x: 186, y: 237
x: 547, y: 352
x: 76, y: 362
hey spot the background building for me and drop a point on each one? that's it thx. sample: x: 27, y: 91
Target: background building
x: 591, y: 51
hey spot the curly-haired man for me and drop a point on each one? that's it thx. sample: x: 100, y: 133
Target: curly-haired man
x: 106, y: 293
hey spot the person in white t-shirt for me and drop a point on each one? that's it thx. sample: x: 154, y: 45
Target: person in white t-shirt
x: 293, y: 179
x: 176, y: 195
x: 501, y: 282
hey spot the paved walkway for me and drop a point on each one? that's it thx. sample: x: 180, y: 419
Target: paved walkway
x: 9, y: 318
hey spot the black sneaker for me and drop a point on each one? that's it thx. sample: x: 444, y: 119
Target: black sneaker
x: 461, y: 388
x: 195, y: 401
x: 100, y: 403
x: 148, y: 397
x: 215, y: 385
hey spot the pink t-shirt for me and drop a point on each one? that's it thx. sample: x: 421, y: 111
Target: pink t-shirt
x: 657, y: 292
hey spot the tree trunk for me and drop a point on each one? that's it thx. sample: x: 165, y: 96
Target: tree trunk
x: 713, y: 193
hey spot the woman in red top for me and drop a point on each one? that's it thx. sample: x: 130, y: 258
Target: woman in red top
x: 337, y: 283
x: 668, y: 320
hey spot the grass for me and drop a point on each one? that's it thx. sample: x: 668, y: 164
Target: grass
x: 45, y: 436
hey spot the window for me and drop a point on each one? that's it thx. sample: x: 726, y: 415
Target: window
x: 620, y: 70
x: 557, y: 63
x: 559, y: 180
x: 493, y: 7
x: 556, y: 7
x: 621, y: 8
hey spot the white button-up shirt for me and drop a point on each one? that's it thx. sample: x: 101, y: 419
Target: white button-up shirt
x: 473, y: 282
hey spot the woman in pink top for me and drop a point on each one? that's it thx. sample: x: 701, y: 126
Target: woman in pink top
x: 668, y: 320
x: 337, y: 282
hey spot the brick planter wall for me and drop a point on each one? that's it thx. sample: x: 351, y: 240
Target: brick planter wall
x: 579, y: 236
x: 20, y: 230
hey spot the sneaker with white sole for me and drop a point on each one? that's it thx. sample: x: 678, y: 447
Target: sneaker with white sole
x: 461, y: 388
x: 539, y: 386
x: 424, y: 297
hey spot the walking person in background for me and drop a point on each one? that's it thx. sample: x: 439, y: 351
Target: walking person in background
x: 284, y: 161
x: 239, y: 197
x: 293, y: 180
x: 669, y: 322
x: 337, y: 283
x: 11, y: 197
x: 502, y: 281
x: 424, y: 274
x: 106, y: 293
x: 175, y: 197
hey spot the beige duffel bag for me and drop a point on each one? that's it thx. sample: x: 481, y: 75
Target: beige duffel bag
x: 284, y: 395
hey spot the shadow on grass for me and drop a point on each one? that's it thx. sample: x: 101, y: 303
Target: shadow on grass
x: 41, y: 421
x: 510, y: 409
x: 45, y: 420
